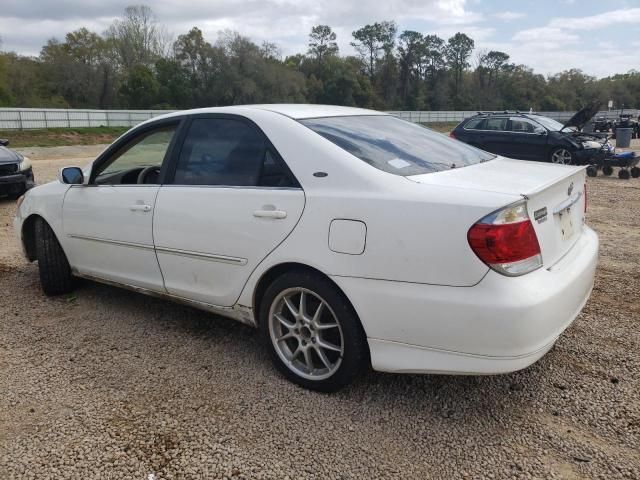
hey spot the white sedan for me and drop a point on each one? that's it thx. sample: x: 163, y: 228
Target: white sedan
x: 347, y: 236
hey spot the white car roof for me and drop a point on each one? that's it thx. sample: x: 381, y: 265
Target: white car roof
x: 296, y: 111
x: 304, y: 110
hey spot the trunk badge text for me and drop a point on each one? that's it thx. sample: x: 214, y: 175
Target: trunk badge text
x: 540, y: 215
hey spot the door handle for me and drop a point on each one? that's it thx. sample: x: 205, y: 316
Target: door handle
x: 140, y: 208
x: 278, y: 214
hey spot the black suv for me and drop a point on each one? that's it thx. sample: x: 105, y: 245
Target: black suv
x: 626, y: 120
x: 528, y: 136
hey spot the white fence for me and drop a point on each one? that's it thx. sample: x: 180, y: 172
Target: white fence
x: 31, y: 118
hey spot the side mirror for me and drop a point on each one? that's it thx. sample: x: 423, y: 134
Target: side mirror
x: 4, y: 142
x: 71, y: 175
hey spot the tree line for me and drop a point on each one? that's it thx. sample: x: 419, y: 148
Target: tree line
x: 136, y: 64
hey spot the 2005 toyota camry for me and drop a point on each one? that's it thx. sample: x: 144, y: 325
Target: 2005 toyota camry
x: 349, y: 237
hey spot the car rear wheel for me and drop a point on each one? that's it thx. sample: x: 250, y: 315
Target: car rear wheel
x: 562, y: 156
x: 55, y: 272
x: 311, y: 331
x: 607, y: 170
x: 592, y: 171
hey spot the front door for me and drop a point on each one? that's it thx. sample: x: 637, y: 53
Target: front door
x: 232, y: 201
x: 528, y: 139
x: 108, y: 222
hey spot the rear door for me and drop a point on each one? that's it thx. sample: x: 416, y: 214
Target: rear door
x: 495, y: 137
x: 228, y: 203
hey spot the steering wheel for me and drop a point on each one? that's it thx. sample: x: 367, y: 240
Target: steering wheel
x: 142, y: 176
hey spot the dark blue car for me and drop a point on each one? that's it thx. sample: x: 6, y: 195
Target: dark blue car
x: 529, y: 136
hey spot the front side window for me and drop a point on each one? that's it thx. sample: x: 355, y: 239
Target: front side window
x: 396, y: 146
x: 550, y: 124
x: 223, y: 151
x: 145, y: 151
x: 524, y: 125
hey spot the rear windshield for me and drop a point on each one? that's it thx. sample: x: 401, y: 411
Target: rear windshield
x: 396, y: 146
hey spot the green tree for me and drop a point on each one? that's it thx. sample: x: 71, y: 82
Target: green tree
x: 140, y: 89
x: 322, y: 42
x: 373, y: 40
x: 457, y: 52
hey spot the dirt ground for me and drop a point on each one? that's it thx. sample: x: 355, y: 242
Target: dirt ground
x: 107, y: 383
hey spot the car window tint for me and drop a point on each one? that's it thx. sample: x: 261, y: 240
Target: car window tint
x: 524, y: 125
x: 144, y: 151
x: 474, y: 124
x: 394, y: 145
x: 273, y: 174
x: 496, y: 123
x: 221, y: 152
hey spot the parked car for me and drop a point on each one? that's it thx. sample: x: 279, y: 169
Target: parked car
x: 349, y: 237
x: 16, y: 175
x: 529, y: 136
x: 626, y: 120
x: 602, y: 124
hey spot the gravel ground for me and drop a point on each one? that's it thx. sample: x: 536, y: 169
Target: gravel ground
x: 112, y: 384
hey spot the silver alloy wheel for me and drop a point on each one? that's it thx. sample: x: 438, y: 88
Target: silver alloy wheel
x: 306, y: 333
x: 561, y: 156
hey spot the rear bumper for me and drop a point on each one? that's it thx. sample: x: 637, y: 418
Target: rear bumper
x: 500, y: 325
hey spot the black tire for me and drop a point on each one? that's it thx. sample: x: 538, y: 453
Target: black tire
x: 562, y: 152
x: 355, y: 355
x: 635, y: 172
x: 592, y: 171
x: 607, y: 170
x: 55, y: 272
x: 623, y: 174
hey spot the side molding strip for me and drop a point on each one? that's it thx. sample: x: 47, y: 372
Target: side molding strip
x: 171, y: 251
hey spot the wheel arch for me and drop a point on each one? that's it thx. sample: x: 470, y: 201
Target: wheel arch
x: 28, y: 235
x: 280, y: 269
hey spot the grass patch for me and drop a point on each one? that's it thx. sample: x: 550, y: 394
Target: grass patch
x: 58, y: 137
x: 442, y: 127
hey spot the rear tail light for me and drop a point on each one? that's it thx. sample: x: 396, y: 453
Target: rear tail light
x: 506, y: 241
x: 451, y: 134
x: 585, y: 198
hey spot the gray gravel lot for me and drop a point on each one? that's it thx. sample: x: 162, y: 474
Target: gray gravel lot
x: 111, y: 384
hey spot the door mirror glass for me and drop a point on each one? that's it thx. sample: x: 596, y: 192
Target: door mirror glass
x: 71, y: 176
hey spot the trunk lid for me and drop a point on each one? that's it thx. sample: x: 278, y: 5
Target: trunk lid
x: 554, y: 194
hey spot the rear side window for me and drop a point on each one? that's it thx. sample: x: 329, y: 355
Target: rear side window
x: 498, y: 124
x: 396, y: 146
x: 474, y: 124
x: 221, y: 151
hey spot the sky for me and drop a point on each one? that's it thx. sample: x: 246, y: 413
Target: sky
x: 600, y: 37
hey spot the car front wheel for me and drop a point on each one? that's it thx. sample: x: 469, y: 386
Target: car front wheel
x: 562, y: 156
x: 311, y: 331
x: 55, y: 272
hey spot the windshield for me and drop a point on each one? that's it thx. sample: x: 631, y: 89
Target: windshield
x: 396, y: 146
x: 549, y: 123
